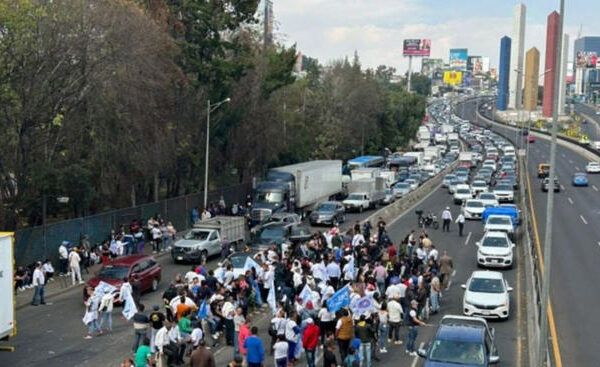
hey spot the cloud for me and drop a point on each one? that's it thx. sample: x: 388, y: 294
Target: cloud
x: 333, y: 29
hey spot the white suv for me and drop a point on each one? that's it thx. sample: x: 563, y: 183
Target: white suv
x: 500, y: 223
x: 486, y: 295
x: 473, y: 209
x: 495, y: 250
x: 593, y: 167
x: 462, y: 193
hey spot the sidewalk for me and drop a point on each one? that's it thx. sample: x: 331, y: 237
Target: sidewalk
x: 63, y: 284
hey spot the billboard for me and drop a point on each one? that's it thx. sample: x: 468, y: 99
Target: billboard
x: 475, y: 64
x: 417, y: 47
x: 485, y: 64
x: 586, y: 60
x: 458, y: 58
x: 429, y: 66
x: 452, y: 77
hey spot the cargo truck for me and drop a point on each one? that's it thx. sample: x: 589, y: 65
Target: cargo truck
x: 360, y: 173
x: 364, y: 194
x: 418, y: 155
x: 296, y: 188
x: 206, y: 239
x: 465, y: 159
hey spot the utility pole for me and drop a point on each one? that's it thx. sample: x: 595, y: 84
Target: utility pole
x: 409, y: 73
x: 543, y: 342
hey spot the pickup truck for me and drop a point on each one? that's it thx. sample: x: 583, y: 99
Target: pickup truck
x: 206, y: 239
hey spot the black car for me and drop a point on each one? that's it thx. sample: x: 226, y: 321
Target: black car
x: 546, y: 184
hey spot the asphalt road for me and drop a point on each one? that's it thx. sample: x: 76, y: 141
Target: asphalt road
x: 592, y: 128
x: 575, y: 251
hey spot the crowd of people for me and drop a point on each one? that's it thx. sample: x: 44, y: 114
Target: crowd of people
x: 390, y: 291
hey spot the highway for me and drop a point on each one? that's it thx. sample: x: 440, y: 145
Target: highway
x: 592, y: 128
x: 576, y: 250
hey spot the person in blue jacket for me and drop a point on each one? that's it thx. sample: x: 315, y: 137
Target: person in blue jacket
x: 255, y: 351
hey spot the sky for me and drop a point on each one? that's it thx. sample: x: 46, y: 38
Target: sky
x: 332, y: 29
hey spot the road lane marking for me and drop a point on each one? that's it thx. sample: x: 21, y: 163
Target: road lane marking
x: 416, y: 358
x: 562, y: 187
x: 594, y: 187
x: 576, y: 168
x: 583, y: 219
x: 571, y: 161
x: 468, y: 238
x: 570, y: 201
x: 538, y: 246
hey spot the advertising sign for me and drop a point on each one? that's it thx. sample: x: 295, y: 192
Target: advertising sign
x: 586, y: 60
x: 458, y: 58
x: 430, y: 66
x: 7, y: 305
x: 417, y: 47
x: 475, y: 64
x: 452, y: 77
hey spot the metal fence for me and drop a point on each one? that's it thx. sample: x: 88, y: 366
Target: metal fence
x: 31, y: 244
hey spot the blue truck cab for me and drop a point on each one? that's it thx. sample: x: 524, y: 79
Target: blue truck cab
x: 461, y: 341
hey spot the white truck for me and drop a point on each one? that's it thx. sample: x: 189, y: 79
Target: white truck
x: 452, y: 137
x: 206, y: 239
x: 432, y: 151
x: 364, y: 194
x: 7, y: 303
x: 440, y: 138
x: 361, y: 173
x: 418, y: 155
x: 389, y: 177
x: 465, y: 159
x: 424, y: 135
x: 447, y: 128
x: 296, y: 188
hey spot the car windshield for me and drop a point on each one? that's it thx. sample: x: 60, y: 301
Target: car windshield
x: 274, y: 233
x: 326, y: 207
x: 410, y: 181
x: 449, y: 177
x: 457, y: 352
x: 402, y: 186
x: 238, y: 261
x: 196, y: 235
x: 479, y: 184
x: 486, y: 285
x: 300, y: 231
x: 495, y: 242
x: 487, y: 196
x: 474, y: 204
x: 355, y: 197
x: 499, y: 220
x: 503, y: 188
x: 463, y: 191
x: 113, y: 272
x: 270, y: 197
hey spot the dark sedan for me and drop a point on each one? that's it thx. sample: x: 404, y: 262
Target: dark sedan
x: 328, y: 213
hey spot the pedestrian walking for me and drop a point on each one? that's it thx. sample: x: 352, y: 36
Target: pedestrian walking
x: 157, y: 320
x: 105, y: 309
x: 202, y: 356
x: 255, y: 351
x: 461, y: 223
x: 280, y: 352
x: 310, y: 340
x: 366, y: 333
x: 446, y: 269
x: 63, y: 258
x: 143, y: 354
x: 344, y: 333
x: 91, y: 314
x: 74, y: 262
x: 383, y: 327
x: 38, y: 281
x: 329, y: 358
x: 413, y: 322
x: 140, y: 327
x: 446, y: 218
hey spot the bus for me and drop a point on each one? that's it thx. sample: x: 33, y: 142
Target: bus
x: 367, y: 161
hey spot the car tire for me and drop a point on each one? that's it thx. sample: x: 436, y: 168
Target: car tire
x: 154, y: 285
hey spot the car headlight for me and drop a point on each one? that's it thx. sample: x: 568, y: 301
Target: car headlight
x: 505, y: 303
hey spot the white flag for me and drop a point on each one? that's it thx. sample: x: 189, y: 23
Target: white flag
x: 271, y: 298
x: 250, y: 263
x: 130, y: 309
x: 306, y: 295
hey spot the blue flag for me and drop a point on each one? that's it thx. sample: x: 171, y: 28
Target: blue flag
x: 259, y: 300
x: 202, y: 312
x: 340, y: 299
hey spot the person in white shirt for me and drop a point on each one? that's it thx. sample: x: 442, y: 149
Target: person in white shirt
x: 125, y: 292
x: 166, y: 349
x: 319, y: 272
x: 228, y: 311
x: 433, y: 253
x: 446, y: 218
x: 461, y: 223
x: 74, y: 261
x: 119, y: 246
x: 190, y: 275
x: 280, y: 352
x: 326, y: 322
x: 334, y: 273
x: 395, y: 314
x: 206, y: 214
x: 63, y: 257
x: 38, y: 281
x: 106, y: 308
x: 48, y: 270
x: 358, y: 239
x: 156, y: 238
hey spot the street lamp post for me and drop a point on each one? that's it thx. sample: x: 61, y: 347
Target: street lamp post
x: 209, y: 108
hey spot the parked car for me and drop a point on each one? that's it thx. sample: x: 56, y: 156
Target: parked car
x: 461, y: 341
x: 495, y: 250
x: 487, y: 295
x: 328, y: 213
x: 580, y: 179
x: 141, y: 267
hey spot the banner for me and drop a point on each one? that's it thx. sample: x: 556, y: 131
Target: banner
x: 130, y: 309
x: 452, y: 77
x: 7, y: 304
x: 305, y: 295
x: 103, y: 288
x: 362, y: 305
x: 340, y: 299
x: 458, y: 58
x: 416, y: 47
x: 271, y: 298
x: 203, y: 311
x: 250, y: 263
x: 586, y: 60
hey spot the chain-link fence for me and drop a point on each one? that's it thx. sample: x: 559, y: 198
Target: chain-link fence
x: 35, y: 244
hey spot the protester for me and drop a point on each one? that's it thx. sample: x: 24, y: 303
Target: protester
x: 74, y: 268
x: 255, y: 355
x: 38, y: 282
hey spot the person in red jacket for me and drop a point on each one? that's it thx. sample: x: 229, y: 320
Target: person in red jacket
x: 310, y: 341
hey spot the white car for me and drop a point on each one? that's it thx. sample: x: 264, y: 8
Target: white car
x: 489, y: 163
x: 488, y: 198
x: 504, y: 193
x: 487, y: 295
x: 593, y: 167
x: 500, y: 223
x: 478, y: 186
x: 473, y: 209
x: 495, y: 250
x: 462, y: 193
x: 413, y: 183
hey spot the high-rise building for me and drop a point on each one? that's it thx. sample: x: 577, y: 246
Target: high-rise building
x: 504, y: 71
x: 532, y: 70
x: 562, y: 81
x: 551, y: 69
x: 268, y: 36
x: 585, y: 45
x: 516, y: 57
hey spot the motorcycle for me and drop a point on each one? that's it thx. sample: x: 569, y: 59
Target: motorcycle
x: 429, y: 220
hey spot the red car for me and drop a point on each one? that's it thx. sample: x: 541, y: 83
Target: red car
x: 145, y: 268
x: 530, y: 139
